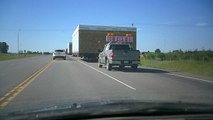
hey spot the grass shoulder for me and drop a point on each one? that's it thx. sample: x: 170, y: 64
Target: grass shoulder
x: 10, y: 56
x: 188, y: 66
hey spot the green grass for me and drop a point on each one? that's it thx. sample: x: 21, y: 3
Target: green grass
x: 194, y: 67
x: 11, y: 56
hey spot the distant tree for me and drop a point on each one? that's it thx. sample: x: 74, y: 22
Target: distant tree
x: 198, y: 55
x: 158, y: 51
x: 29, y: 52
x: 4, y: 47
x: 150, y: 55
x: 162, y: 56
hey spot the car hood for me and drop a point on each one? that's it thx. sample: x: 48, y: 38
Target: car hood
x: 110, y: 108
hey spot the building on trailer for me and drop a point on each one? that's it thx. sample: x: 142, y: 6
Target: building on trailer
x: 88, y: 40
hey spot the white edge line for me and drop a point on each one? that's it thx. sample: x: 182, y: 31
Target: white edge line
x: 190, y: 77
x: 108, y: 76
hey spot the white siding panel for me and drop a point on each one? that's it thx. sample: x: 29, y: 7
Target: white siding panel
x: 75, y: 42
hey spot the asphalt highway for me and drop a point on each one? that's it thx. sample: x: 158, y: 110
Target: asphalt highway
x: 40, y: 81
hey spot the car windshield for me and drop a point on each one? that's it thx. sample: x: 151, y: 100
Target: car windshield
x: 92, y: 57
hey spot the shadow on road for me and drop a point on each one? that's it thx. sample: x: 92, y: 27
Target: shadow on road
x: 141, y: 70
x: 70, y: 59
x: 90, y: 61
x: 152, y: 70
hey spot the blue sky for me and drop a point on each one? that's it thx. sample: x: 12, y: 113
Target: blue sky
x: 46, y: 25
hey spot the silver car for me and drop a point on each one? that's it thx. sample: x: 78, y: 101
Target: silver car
x: 59, y: 54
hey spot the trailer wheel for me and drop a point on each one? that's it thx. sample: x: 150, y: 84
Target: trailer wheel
x: 108, y: 66
x: 135, y: 67
x: 121, y: 67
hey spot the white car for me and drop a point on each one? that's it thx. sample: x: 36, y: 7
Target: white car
x: 59, y: 54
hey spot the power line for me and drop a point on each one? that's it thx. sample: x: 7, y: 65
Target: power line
x: 60, y: 30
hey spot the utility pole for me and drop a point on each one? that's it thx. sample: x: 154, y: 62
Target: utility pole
x: 18, y: 40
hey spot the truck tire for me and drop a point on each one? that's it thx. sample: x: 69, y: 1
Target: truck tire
x: 121, y: 67
x: 99, y: 64
x: 108, y: 66
x: 135, y: 67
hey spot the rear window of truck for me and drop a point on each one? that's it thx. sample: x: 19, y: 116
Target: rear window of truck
x: 119, y: 47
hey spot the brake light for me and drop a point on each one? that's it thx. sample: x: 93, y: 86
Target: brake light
x: 111, y: 54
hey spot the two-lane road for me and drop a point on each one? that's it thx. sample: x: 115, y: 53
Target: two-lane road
x: 40, y: 81
x: 13, y: 72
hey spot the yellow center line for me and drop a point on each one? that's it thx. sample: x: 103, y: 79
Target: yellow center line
x: 2, y: 98
x: 7, y: 94
x: 8, y: 97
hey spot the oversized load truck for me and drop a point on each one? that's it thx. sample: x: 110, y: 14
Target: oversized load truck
x: 89, y: 40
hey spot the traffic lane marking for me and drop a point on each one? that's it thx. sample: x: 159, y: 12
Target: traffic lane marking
x: 108, y: 76
x: 198, y: 79
x: 8, y: 97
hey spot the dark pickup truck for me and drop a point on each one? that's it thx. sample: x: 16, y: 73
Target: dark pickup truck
x: 120, y: 55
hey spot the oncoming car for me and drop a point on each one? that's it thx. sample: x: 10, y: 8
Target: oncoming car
x: 59, y: 54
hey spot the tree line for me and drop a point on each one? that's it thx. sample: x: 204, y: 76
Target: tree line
x: 198, y: 55
x: 4, y: 47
